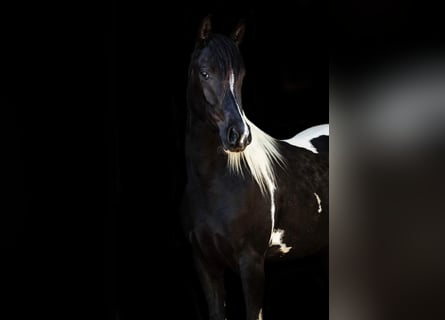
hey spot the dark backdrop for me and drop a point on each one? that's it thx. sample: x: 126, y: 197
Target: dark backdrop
x: 94, y: 108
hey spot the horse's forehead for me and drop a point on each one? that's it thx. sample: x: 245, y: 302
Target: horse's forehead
x: 205, y: 56
x: 209, y: 57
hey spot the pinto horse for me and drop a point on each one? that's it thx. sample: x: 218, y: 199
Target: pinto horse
x: 249, y: 198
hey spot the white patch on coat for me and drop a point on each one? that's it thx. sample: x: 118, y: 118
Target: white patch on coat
x: 276, y: 239
x: 303, y: 139
x: 272, y: 208
x: 260, y: 314
x: 318, y: 201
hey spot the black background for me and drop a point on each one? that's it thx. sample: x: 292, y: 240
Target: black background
x: 94, y: 110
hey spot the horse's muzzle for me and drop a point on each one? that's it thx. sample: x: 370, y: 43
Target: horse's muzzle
x: 238, y: 141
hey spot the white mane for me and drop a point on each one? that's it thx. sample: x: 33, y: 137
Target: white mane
x: 259, y: 158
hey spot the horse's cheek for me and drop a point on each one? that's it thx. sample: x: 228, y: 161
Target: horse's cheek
x: 210, y: 96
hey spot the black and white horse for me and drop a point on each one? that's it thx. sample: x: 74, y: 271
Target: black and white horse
x: 249, y: 198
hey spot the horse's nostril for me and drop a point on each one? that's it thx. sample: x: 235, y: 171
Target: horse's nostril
x: 233, y: 135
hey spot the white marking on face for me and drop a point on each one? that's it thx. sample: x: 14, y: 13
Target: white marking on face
x: 318, y: 201
x: 276, y: 239
x: 245, y: 133
x: 260, y: 314
x: 303, y: 139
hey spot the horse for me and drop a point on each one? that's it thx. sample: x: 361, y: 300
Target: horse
x: 249, y: 198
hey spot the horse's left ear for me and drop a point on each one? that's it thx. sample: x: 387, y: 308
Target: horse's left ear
x: 205, y: 29
x: 238, y: 33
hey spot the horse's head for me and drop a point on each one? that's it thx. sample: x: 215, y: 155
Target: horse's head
x: 216, y: 74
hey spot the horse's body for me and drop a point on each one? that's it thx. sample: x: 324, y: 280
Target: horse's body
x: 249, y: 197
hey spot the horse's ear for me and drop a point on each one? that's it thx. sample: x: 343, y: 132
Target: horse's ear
x: 238, y: 33
x: 205, y: 28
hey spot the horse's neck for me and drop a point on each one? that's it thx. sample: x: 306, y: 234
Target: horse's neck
x: 203, y: 149
x: 200, y: 134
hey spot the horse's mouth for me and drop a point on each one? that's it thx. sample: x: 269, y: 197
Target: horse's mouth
x: 234, y: 150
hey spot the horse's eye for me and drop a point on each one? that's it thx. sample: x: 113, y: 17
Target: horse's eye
x: 204, y: 74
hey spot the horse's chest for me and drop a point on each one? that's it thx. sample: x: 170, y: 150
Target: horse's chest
x: 220, y: 227
x: 213, y: 243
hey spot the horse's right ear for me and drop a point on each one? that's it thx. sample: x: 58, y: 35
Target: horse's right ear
x: 205, y: 29
x: 238, y: 33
